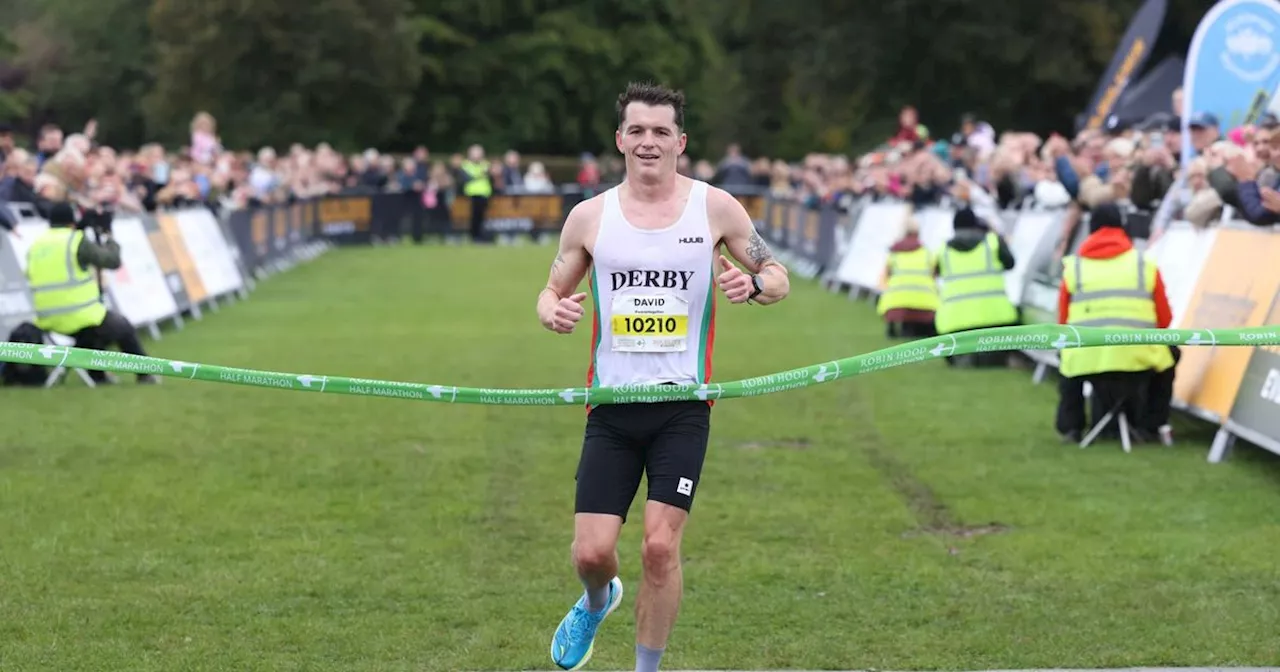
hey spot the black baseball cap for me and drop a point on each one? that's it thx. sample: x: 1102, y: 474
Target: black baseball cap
x: 62, y: 213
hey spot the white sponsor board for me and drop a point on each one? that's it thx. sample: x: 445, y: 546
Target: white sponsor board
x: 138, y: 288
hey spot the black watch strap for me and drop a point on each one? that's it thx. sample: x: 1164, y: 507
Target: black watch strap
x: 757, y: 287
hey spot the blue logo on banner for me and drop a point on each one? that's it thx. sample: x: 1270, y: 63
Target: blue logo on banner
x: 1233, y: 66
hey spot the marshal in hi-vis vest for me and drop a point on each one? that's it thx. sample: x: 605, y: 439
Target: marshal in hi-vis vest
x: 478, y: 183
x: 66, y: 297
x: 911, y: 284
x: 973, y: 294
x: 1113, y: 292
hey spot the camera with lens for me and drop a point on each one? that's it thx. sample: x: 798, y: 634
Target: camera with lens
x: 99, y: 219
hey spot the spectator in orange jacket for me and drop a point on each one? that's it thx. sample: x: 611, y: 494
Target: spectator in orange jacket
x: 1108, y: 239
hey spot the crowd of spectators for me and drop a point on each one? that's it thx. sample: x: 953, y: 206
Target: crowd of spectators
x: 1135, y: 163
x: 204, y: 172
x: 1236, y: 172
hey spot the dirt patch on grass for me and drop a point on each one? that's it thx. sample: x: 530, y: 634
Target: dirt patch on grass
x: 931, y: 513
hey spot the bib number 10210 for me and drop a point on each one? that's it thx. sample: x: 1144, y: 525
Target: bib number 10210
x: 648, y: 325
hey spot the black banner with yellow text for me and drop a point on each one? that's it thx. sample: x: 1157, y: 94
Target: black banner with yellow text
x: 1130, y: 56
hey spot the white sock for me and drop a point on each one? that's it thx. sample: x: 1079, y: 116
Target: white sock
x: 647, y: 659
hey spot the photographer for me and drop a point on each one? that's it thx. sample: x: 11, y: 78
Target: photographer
x: 64, y: 285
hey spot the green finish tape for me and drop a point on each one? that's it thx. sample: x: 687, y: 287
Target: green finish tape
x: 1031, y: 337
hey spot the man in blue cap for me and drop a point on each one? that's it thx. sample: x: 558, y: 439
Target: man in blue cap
x: 1205, y: 131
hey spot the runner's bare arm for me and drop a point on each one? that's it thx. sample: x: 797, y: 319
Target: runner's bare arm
x: 747, y: 246
x: 569, y: 267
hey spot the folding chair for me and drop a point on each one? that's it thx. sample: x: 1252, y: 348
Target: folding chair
x: 1123, y: 394
x: 60, y: 371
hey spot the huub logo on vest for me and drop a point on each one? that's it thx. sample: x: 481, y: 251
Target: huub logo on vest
x: 691, y: 241
x: 651, y: 279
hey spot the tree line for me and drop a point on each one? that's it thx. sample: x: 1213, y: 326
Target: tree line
x: 541, y: 76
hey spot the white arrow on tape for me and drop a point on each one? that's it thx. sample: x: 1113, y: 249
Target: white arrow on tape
x: 437, y: 392
x: 942, y: 349
x: 570, y: 394
x: 1196, y: 340
x: 48, y: 351
x: 178, y: 366
x: 705, y: 392
x: 306, y: 381
x: 1064, y: 342
x: 824, y: 374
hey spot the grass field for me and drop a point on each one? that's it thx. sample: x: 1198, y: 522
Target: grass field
x: 196, y: 526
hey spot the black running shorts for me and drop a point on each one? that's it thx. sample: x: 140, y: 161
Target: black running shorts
x: 665, y: 441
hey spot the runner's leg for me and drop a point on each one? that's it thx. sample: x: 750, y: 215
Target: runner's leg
x: 595, y: 554
x: 609, y: 473
x: 674, y: 467
x: 659, y: 600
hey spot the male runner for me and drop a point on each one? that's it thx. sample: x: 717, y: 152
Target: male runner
x: 651, y: 244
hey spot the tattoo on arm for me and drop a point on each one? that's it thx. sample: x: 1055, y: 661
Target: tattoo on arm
x: 556, y: 264
x: 758, y: 250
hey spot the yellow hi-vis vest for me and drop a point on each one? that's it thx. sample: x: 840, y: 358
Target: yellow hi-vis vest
x: 478, y: 184
x: 911, y: 284
x: 66, y: 297
x: 1112, y: 292
x: 973, y: 294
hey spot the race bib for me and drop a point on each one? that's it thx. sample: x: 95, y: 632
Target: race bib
x: 650, y: 323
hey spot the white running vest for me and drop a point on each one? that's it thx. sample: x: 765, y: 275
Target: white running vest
x: 652, y: 297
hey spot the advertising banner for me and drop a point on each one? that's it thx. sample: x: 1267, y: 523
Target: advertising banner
x: 1129, y: 58
x: 15, y: 299
x: 138, y: 288
x: 344, y: 219
x: 1257, y: 404
x: 209, y: 252
x: 775, y: 222
x: 1207, y: 378
x: 754, y: 205
x: 794, y: 227
x: 259, y: 231
x: 879, y: 226
x: 937, y: 227
x: 1033, y: 234
x: 23, y: 235
x: 1233, y: 66
x: 166, y: 241
x: 1180, y: 253
x: 511, y: 213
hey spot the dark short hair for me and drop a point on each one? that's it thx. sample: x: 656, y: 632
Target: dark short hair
x: 652, y: 94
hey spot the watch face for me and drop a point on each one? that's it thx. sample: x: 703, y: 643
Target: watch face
x: 758, y: 282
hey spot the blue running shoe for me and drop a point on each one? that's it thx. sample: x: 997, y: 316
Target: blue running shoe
x: 575, y: 638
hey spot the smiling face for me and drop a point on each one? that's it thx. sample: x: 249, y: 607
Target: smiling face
x: 650, y: 139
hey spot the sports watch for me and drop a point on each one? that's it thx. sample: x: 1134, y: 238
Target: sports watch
x: 758, y: 283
